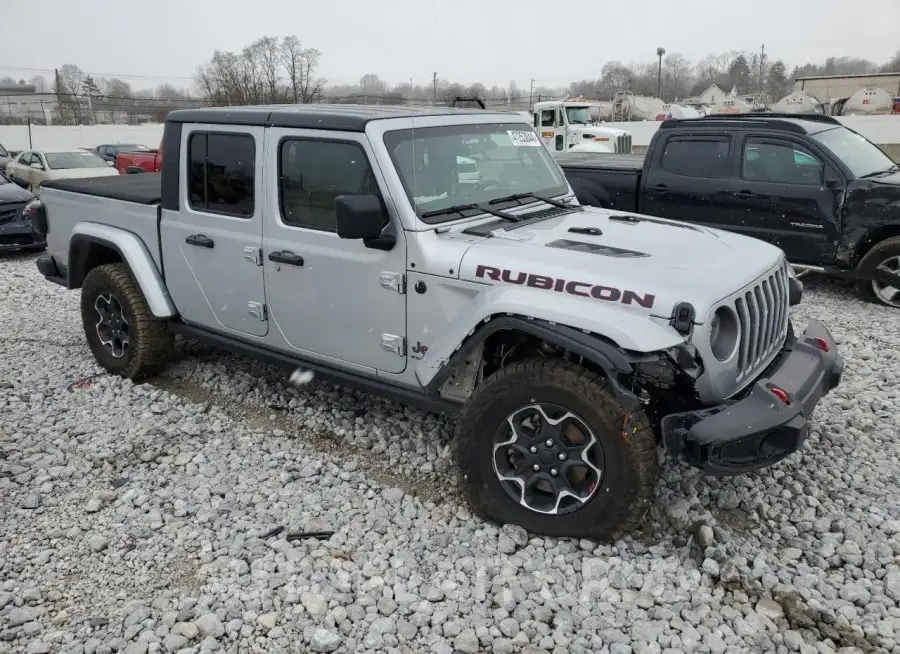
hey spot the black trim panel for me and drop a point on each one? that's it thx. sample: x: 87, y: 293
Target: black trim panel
x: 171, y: 162
x: 432, y: 403
x: 614, y: 361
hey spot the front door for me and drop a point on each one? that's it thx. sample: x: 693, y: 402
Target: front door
x: 782, y: 185
x: 212, y: 246
x: 330, y: 298
x: 552, y: 137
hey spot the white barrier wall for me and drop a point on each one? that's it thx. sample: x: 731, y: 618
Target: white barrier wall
x: 882, y: 130
x: 15, y: 137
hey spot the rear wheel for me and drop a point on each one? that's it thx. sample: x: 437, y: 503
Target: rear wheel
x: 545, y: 445
x: 119, y: 327
x: 883, y: 256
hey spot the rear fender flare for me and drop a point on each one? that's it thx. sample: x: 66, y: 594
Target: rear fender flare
x: 132, y: 251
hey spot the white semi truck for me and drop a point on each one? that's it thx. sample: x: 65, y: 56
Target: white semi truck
x: 568, y: 124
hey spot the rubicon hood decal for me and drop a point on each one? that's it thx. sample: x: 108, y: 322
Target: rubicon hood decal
x: 572, y: 287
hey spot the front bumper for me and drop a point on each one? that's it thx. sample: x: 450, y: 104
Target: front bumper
x: 760, y: 429
x: 17, y: 234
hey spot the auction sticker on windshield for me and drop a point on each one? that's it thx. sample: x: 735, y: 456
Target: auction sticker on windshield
x: 523, y: 138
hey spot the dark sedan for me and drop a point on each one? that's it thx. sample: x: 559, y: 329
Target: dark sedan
x: 18, y: 212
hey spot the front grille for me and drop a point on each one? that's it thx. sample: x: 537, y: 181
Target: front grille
x: 763, y: 314
x: 10, y: 211
x: 623, y: 144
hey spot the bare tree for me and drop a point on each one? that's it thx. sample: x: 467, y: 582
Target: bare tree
x: 301, y: 65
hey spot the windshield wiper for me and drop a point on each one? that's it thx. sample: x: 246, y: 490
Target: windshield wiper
x: 521, y: 196
x: 459, y: 208
x: 892, y: 169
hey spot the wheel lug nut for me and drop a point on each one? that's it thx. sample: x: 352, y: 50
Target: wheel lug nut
x: 533, y: 449
x: 562, y: 456
x: 535, y: 467
x: 553, y: 471
x: 549, y: 442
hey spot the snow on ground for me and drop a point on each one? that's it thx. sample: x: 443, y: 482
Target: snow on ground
x: 160, y: 517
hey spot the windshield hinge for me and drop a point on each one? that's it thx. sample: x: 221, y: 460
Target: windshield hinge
x: 394, y: 343
x: 393, y: 281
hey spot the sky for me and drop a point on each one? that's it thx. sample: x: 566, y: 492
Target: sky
x: 489, y: 41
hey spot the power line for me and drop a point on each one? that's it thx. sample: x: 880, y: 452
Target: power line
x: 92, y: 74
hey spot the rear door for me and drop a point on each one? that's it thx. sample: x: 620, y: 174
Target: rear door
x: 18, y: 168
x: 688, y: 179
x: 212, y: 246
x: 781, y: 184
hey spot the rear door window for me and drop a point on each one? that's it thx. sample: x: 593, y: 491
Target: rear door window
x: 707, y: 157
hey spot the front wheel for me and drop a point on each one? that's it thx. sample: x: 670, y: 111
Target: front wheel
x: 883, y: 256
x: 119, y: 327
x: 545, y: 445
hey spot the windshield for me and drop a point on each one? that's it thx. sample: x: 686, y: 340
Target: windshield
x: 65, y: 160
x: 861, y: 156
x: 578, y: 115
x: 441, y: 167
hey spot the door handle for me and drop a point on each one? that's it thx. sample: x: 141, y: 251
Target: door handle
x: 286, y: 257
x: 200, y: 240
x: 660, y: 188
x: 744, y: 195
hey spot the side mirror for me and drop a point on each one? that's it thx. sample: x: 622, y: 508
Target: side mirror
x: 360, y: 217
x: 37, y: 166
x: 831, y: 179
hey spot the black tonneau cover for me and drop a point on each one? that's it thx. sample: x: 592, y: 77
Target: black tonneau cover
x: 632, y: 162
x: 142, y: 188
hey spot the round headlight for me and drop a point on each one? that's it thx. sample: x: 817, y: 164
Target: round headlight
x: 724, y: 332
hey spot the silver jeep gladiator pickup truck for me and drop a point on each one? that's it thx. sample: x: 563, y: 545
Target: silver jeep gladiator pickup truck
x: 358, y: 242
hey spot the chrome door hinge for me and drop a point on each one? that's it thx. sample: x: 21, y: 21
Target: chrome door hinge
x: 257, y: 309
x: 393, y: 281
x: 252, y: 254
x: 394, y: 343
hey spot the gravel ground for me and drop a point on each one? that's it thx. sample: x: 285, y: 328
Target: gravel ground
x: 166, y: 517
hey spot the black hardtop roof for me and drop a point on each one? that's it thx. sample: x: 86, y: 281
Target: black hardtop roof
x: 797, y: 123
x: 345, y: 117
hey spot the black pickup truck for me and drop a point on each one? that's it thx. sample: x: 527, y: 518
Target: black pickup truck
x: 818, y: 190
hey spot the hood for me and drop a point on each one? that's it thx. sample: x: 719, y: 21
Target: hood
x: 650, y: 264
x: 893, y: 179
x: 14, y: 193
x: 601, y: 130
x: 78, y: 173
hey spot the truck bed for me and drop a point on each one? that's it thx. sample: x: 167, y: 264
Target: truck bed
x: 612, y: 179
x: 145, y: 188
x: 129, y: 202
x: 600, y: 161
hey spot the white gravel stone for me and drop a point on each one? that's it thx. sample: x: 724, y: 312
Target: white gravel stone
x: 184, y: 476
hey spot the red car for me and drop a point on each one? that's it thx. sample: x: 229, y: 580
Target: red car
x: 144, y: 161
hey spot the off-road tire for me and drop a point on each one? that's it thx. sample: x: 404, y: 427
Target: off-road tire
x: 151, y: 342
x: 886, y: 249
x: 629, y: 449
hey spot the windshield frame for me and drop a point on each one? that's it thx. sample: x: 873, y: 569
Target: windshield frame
x: 4, y: 152
x: 85, y: 154
x: 839, y: 156
x: 391, y: 137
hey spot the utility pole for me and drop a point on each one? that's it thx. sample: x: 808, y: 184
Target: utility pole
x: 58, y: 94
x: 434, y: 84
x: 531, y: 94
x: 762, y: 64
x: 659, y: 53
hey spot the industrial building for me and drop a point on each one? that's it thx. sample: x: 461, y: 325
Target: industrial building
x: 827, y: 87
